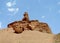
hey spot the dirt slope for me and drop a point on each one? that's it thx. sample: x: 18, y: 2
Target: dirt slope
x: 57, y: 38
x: 8, y: 36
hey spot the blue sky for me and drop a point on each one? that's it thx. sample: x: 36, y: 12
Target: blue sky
x: 43, y: 10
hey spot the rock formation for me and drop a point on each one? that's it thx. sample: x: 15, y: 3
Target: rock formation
x: 26, y: 17
x: 26, y: 24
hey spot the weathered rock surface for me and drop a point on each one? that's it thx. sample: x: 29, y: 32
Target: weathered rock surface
x: 26, y: 24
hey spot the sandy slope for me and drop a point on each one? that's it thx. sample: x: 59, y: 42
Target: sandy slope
x: 8, y: 36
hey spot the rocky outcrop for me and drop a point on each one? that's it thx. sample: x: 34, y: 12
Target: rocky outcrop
x: 26, y: 24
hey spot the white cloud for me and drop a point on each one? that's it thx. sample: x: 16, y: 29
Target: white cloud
x: 58, y: 3
x: 11, y: 9
x: 17, y: 9
x: 10, y: 4
x: 0, y: 24
x: 43, y: 16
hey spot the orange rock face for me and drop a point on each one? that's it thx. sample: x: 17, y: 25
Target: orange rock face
x: 26, y: 24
